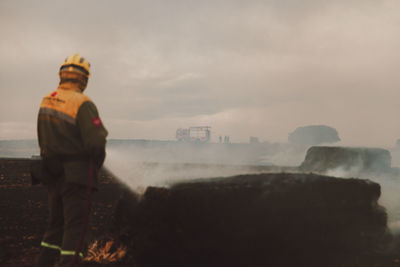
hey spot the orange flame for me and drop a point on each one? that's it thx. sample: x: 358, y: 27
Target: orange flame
x: 104, y: 255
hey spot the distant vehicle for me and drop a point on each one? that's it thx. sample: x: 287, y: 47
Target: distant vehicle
x: 200, y: 134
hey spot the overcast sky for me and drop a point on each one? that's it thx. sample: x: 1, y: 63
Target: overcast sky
x: 245, y: 68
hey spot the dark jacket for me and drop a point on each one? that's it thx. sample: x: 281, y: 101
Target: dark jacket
x: 70, y: 131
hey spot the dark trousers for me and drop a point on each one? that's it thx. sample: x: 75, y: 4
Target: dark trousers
x: 68, y: 213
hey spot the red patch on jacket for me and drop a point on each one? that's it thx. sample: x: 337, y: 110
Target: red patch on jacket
x: 97, y: 122
x: 54, y: 94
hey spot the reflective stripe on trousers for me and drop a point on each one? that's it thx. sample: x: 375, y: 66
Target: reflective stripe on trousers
x: 47, y: 245
x: 62, y: 252
x: 70, y: 253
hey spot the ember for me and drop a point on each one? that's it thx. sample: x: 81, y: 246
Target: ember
x: 105, y: 252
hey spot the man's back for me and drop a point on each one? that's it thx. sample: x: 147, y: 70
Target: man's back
x: 69, y: 124
x: 72, y: 142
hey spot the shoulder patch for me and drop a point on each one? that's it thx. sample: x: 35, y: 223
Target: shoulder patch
x: 97, y: 122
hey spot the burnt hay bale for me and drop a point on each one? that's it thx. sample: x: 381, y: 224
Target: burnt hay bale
x: 255, y: 220
x: 325, y: 158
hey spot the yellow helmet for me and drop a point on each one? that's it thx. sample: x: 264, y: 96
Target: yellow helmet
x: 76, y: 63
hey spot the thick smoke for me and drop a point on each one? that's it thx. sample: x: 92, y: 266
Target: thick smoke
x: 141, y: 164
x: 285, y: 154
x: 140, y: 167
x: 390, y: 187
x: 374, y: 164
x: 145, y: 162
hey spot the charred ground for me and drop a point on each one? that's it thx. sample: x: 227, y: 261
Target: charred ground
x: 167, y: 221
x: 23, y: 212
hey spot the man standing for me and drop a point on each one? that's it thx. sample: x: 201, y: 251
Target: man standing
x: 72, y: 142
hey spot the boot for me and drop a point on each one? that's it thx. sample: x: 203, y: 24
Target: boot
x: 65, y: 261
x: 47, y: 257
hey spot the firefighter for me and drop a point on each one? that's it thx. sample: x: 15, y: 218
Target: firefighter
x: 72, y: 142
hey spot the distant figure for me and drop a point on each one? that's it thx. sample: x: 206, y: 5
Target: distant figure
x: 72, y: 142
x: 220, y: 139
x: 226, y: 139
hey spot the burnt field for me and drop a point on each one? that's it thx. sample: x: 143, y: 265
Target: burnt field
x: 260, y: 219
x: 23, y: 212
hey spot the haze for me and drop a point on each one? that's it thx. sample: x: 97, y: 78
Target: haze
x: 245, y: 68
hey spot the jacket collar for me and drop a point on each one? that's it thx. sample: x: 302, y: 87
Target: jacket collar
x: 70, y: 87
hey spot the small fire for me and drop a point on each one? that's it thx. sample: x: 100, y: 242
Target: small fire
x: 105, y: 254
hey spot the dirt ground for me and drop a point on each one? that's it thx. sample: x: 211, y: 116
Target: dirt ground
x: 23, y: 212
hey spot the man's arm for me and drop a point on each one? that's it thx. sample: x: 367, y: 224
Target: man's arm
x: 92, y: 132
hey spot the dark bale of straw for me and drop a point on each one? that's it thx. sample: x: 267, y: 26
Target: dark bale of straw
x: 325, y: 158
x: 255, y: 220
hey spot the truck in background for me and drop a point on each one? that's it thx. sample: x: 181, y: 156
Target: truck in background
x: 201, y: 134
